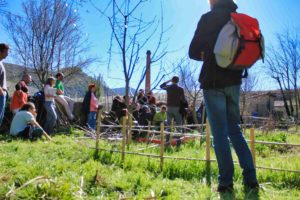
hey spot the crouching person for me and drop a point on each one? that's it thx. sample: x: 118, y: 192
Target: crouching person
x: 24, y: 124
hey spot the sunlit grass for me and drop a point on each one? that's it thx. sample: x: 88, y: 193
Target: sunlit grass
x: 65, y: 160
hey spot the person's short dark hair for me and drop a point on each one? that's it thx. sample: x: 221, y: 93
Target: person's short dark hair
x: 27, y: 106
x: 49, y: 80
x: 163, y: 107
x: 175, y: 79
x: 3, y: 47
x: 18, y: 86
x: 59, y: 74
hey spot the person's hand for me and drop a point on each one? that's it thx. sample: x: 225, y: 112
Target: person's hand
x: 59, y: 92
x: 1, y: 92
x: 100, y: 107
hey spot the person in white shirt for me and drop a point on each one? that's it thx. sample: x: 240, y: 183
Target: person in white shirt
x: 4, y: 48
x: 50, y: 94
x: 24, y: 124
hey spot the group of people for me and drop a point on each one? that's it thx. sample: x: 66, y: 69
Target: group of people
x: 24, y: 123
x: 144, y: 107
x: 221, y: 90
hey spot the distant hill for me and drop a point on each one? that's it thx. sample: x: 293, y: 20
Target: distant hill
x: 75, y: 85
x: 121, y: 91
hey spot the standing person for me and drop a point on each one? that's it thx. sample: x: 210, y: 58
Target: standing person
x: 50, y: 94
x: 175, y: 96
x: 18, y: 99
x: 221, y: 88
x: 24, y: 124
x: 26, y: 79
x: 91, y: 106
x: 67, y: 102
x: 4, y: 48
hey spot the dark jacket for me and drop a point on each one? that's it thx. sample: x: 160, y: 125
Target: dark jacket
x: 86, y: 103
x: 212, y: 76
x: 175, y: 94
x: 118, y: 108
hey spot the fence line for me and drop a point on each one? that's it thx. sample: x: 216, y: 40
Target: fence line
x: 196, y: 135
x: 190, y: 159
x: 126, y: 129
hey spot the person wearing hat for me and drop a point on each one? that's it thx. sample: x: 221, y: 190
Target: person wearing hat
x: 221, y: 90
x: 66, y: 101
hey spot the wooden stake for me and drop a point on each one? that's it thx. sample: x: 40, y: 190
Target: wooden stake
x: 129, y: 135
x: 202, y: 122
x: 98, y: 130
x: 162, y: 145
x: 207, y: 158
x: 207, y: 141
x: 148, y: 133
x: 124, y: 119
x: 252, y: 145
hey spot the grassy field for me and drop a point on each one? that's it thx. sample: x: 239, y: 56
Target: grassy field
x: 68, y: 169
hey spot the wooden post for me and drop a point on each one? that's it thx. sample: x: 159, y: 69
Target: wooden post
x: 172, y: 125
x: 202, y: 123
x: 252, y: 145
x: 162, y: 145
x: 170, y: 136
x: 129, y: 122
x: 98, y: 130
x: 124, y: 119
x: 148, y: 132
x: 208, y: 142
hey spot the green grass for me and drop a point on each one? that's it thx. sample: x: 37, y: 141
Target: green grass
x: 66, y: 159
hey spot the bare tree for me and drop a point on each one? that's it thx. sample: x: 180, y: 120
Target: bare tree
x: 2, y: 5
x: 131, y: 34
x: 47, y: 37
x: 190, y: 84
x: 283, y: 64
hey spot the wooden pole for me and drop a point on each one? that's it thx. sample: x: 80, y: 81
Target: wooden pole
x: 207, y: 157
x: 129, y: 122
x: 162, y: 148
x: 98, y: 124
x: 202, y: 123
x: 252, y: 145
x: 123, y: 137
x: 148, y: 132
x: 207, y: 141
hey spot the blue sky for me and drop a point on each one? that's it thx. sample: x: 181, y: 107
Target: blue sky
x: 183, y: 15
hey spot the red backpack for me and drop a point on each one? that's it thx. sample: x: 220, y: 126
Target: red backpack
x: 240, y: 43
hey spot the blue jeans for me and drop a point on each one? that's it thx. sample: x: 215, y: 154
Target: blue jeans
x: 51, y: 117
x: 223, y: 112
x: 2, y: 108
x: 92, y: 117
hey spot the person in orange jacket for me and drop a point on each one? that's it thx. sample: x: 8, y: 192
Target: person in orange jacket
x: 19, y: 99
